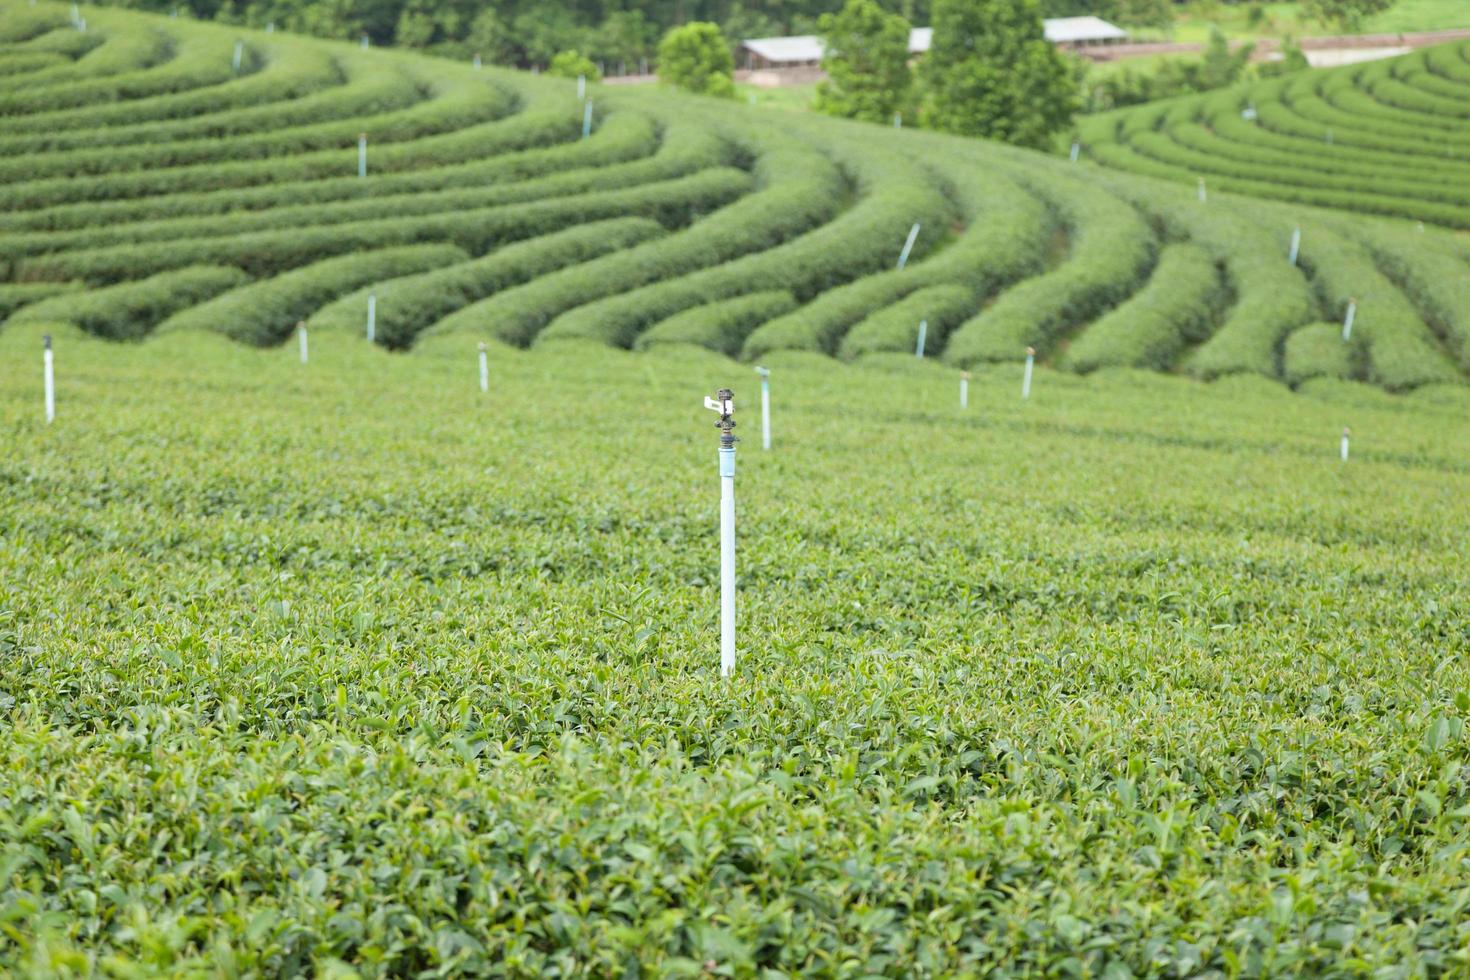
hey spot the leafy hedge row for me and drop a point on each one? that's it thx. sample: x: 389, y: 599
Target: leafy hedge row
x: 405, y: 305
x: 1112, y: 249
x: 130, y: 310
x: 23, y: 62
x: 895, y: 328
x: 291, y: 70
x: 14, y: 295
x: 450, y: 108
x: 120, y: 52
x: 264, y: 312
x: 198, y: 60
x: 1004, y: 240
x: 517, y: 132
x: 1398, y: 345
x: 1396, y: 94
x: 1436, y: 281
x: 864, y: 239
x: 624, y: 136
x: 637, y: 131
x: 1317, y: 351
x: 801, y: 189
x: 62, y: 40
x: 720, y: 326
x: 21, y: 25
x: 672, y: 202
x: 1177, y: 307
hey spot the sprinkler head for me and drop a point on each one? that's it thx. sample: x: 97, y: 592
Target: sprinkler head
x: 1030, y: 351
x: 482, y: 346
x: 724, y: 403
x: 763, y: 372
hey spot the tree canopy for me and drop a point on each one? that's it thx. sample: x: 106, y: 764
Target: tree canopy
x: 697, y: 58
x: 866, y: 58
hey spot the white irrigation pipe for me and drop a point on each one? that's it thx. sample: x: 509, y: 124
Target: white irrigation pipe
x: 48, y: 371
x: 365, y: 41
x: 1345, y: 433
x: 724, y: 403
x: 1296, y: 245
x: 1026, y: 378
x: 765, y: 374
x: 898, y: 120
x: 270, y: 27
x: 372, y: 319
x: 1347, y: 321
x: 908, y: 246
x: 923, y: 332
x: 239, y: 53
x: 484, y: 369
x: 587, y: 119
x: 1076, y: 150
x: 581, y: 87
x: 964, y: 389
x: 301, y: 339
x: 1203, y: 196
x: 477, y: 60
x: 362, y: 154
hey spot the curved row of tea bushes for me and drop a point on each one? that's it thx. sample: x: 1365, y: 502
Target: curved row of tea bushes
x: 121, y: 52
x: 22, y: 25
x: 130, y: 310
x: 302, y: 80
x: 1317, y: 350
x: 1112, y: 250
x: 1004, y: 239
x: 719, y: 326
x: 1175, y: 309
x: 14, y: 295
x: 1437, y: 283
x: 21, y: 64
x: 639, y: 130
x: 1397, y: 347
x: 865, y: 238
x: 624, y: 136
x: 798, y: 189
x: 263, y: 313
x: 406, y: 305
x: 895, y: 328
x: 672, y: 202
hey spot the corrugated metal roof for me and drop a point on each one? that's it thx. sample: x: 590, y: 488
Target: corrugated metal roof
x: 808, y: 47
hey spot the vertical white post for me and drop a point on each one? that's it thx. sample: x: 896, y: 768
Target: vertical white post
x: 1202, y: 195
x: 908, y: 246
x: 362, y: 154
x: 301, y: 339
x: 1345, y: 433
x: 270, y: 27
x: 581, y: 87
x: 1421, y: 227
x: 1296, y: 245
x: 484, y: 369
x: 82, y: 25
x: 1076, y: 150
x: 898, y: 120
x: 239, y: 51
x: 1026, y: 378
x: 643, y: 66
x: 1329, y: 137
x: 372, y: 320
x: 724, y: 403
x: 49, y: 373
x: 964, y: 389
x: 365, y: 41
x: 765, y: 374
x: 1347, y: 321
x: 587, y: 119
x: 919, y: 346
x: 477, y: 61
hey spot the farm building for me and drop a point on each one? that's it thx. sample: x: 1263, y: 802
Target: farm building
x: 805, y: 50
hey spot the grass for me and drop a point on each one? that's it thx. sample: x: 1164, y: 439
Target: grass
x: 782, y: 97
x: 347, y: 665
x: 1193, y: 22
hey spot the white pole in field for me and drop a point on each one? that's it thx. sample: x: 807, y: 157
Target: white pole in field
x: 724, y: 403
x: 1202, y: 195
x: 919, y: 346
x: 301, y: 339
x: 1026, y: 378
x: 1296, y: 245
x: 908, y: 246
x: 365, y: 41
x: 82, y: 25
x: 239, y: 52
x: 372, y: 320
x: 1076, y: 150
x: 270, y: 27
x: 362, y: 154
x: 898, y: 120
x: 1345, y: 433
x: 484, y: 369
x: 765, y: 374
x: 1421, y: 227
x: 477, y: 60
x: 1329, y: 137
x: 587, y: 119
x: 48, y: 371
x: 1347, y: 321
x: 581, y: 87
x: 964, y: 389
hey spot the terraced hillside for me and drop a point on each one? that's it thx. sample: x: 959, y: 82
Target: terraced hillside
x: 159, y: 175
x: 1390, y: 137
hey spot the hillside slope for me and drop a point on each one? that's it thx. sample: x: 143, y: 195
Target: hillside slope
x: 160, y: 175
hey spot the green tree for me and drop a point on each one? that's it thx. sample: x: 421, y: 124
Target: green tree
x: 696, y: 58
x: 866, y: 57
x: 991, y: 72
x: 1344, y: 13
x: 570, y: 64
x: 1158, y: 14
x: 1220, y: 66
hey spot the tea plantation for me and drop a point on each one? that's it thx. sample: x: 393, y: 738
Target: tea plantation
x: 341, y: 666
